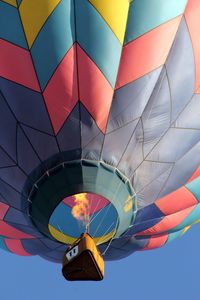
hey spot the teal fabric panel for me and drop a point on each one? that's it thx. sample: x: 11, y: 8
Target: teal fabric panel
x: 53, y: 42
x: 194, y: 187
x: 10, y: 25
x: 97, y: 39
x: 2, y: 244
x: 172, y: 236
x: 144, y: 15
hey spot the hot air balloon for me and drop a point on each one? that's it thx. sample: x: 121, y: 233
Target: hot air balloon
x: 99, y: 124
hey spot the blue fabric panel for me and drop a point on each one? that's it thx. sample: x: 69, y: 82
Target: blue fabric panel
x: 10, y: 25
x: 50, y: 243
x: 53, y: 256
x: 144, y: 15
x: 27, y: 105
x: 148, y: 213
x: 34, y: 246
x: 13, y: 176
x: 27, y: 158
x: 5, y: 160
x: 101, y: 223
x: 19, y: 2
x: 53, y: 41
x: 143, y: 226
x: 10, y: 195
x: 69, y: 135
x: 98, y: 40
x: 15, y: 216
x: 45, y: 145
x: 8, y: 127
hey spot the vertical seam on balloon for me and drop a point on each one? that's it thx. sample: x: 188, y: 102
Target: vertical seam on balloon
x: 153, y: 92
x: 104, y: 135
x: 32, y: 60
x: 77, y: 72
x: 160, y: 77
x: 193, y: 50
x: 170, y: 93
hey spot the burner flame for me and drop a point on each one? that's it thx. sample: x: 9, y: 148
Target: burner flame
x: 80, y: 210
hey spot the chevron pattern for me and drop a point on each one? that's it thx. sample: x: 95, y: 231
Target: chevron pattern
x: 108, y: 81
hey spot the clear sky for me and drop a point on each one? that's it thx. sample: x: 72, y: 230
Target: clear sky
x: 171, y: 272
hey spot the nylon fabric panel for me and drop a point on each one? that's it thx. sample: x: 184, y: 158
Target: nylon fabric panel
x: 12, y: 2
x: 146, y: 15
x: 115, y: 15
x: 34, y: 14
x: 10, y: 25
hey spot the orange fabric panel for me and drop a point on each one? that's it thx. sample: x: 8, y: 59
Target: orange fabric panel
x: 147, y: 52
x: 176, y: 201
x: 95, y: 91
x: 61, y: 93
x: 192, y: 16
x: 168, y: 222
x: 156, y: 242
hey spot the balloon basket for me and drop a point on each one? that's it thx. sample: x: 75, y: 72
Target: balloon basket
x: 82, y: 260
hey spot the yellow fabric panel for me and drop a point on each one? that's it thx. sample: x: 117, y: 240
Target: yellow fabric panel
x: 115, y: 13
x: 61, y: 237
x: 34, y: 13
x: 12, y: 2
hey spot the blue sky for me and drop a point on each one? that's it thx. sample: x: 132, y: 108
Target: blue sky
x: 171, y: 272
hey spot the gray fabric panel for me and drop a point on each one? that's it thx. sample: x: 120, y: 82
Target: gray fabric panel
x: 156, y: 116
x: 116, y: 142
x: 180, y: 68
x: 175, y: 144
x: 13, y: 176
x: 183, y: 170
x: 130, y: 100
x: 190, y: 116
x: 133, y: 155
x: 151, y: 192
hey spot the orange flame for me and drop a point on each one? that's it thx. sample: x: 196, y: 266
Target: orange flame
x: 80, y: 211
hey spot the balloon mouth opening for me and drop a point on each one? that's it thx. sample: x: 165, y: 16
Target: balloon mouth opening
x: 82, y: 196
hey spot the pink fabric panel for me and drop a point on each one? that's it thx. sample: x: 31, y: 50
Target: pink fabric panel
x: 16, y: 65
x: 3, y: 210
x: 61, y: 93
x: 95, y: 91
x: 11, y: 232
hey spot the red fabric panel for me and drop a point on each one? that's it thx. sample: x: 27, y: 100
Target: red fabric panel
x: 168, y: 222
x: 147, y: 52
x: 156, y: 242
x: 194, y: 175
x: 61, y: 93
x: 11, y: 232
x: 16, y: 247
x: 16, y: 65
x: 3, y: 210
x: 176, y: 201
x: 95, y: 91
x: 192, y: 15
